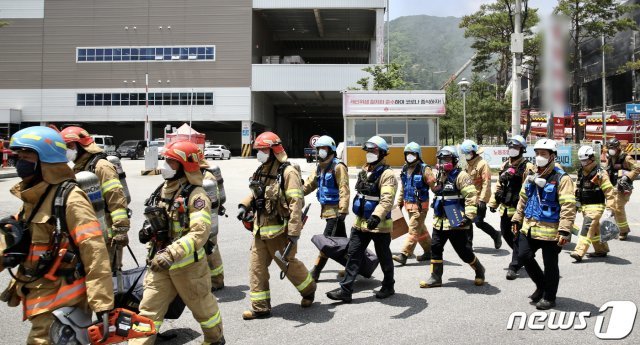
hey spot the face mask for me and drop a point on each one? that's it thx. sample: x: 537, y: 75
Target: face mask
x: 514, y: 153
x: 72, y: 155
x: 446, y: 166
x: 540, y: 182
x: 262, y: 157
x: 371, y: 157
x: 25, y: 168
x: 468, y: 156
x: 167, y: 171
x: 585, y: 162
x: 411, y: 158
x: 612, y: 152
x: 322, y: 153
x: 541, y: 161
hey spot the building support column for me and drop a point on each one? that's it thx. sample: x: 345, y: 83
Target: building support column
x: 379, y: 36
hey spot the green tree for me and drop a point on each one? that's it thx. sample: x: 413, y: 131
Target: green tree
x: 385, y: 77
x: 490, y: 28
x: 591, y: 19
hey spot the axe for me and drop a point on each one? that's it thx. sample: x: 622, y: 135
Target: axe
x: 282, y: 256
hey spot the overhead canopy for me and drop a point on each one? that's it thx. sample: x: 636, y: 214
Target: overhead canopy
x: 186, y: 133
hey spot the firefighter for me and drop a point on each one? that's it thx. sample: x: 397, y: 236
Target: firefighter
x: 416, y: 178
x: 454, y: 207
x: 83, y: 278
x: 276, y: 201
x: 331, y: 180
x: 622, y: 170
x: 480, y: 174
x: 594, y: 193
x: 505, y: 199
x: 87, y: 156
x: 180, y: 224
x: 372, y: 206
x: 214, y: 259
x: 544, y: 216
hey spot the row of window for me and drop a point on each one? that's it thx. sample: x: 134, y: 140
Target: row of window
x: 156, y: 98
x: 118, y: 54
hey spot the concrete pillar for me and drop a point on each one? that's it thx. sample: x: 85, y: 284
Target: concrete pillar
x: 379, y: 36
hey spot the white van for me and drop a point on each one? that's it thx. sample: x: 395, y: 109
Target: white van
x: 105, y: 142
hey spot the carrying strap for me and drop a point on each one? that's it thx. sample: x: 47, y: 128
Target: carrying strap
x: 93, y: 162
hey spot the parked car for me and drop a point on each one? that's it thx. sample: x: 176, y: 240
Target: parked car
x: 310, y: 154
x: 133, y: 149
x: 105, y: 142
x: 217, y: 152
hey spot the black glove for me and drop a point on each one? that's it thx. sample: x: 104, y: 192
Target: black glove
x: 482, y: 210
x: 465, y: 222
x: 222, y: 211
x: 293, y: 239
x: 242, y: 211
x: 373, y: 222
x: 493, y: 209
x: 342, y: 216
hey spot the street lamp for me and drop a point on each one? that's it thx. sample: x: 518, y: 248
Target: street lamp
x: 464, y: 87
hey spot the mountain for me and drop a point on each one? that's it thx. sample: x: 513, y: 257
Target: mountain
x: 426, y: 44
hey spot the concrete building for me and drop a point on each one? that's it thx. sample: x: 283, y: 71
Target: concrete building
x: 272, y: 64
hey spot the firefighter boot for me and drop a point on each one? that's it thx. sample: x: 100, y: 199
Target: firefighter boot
x: 424, y: 257
x: 477, y: 266
x: 307, y: 300
x: 219, y: 342
x: 321, y: 261
x: 436, y: 276
x: 339, y: 295
x: 575, y: 256
x: 401, y: 259
x: 252, y: 314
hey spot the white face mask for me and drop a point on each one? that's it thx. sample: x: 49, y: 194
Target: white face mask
x: 541, y: 161
x: 612, y: 152
x: 468, y: 156
x: 72, y: 155
x: 322, y: 153
x: 585, y: 162
x: 262, y: 157
x: 371, y: 157
x: 411, y: 158
x: 540, y: 182
x: 167, y: 171
x: 514, y: 153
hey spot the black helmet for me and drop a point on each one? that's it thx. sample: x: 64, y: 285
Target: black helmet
x: 18, y: 241
x: 613, y: 143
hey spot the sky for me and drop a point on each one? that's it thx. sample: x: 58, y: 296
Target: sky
x: 454, y: 8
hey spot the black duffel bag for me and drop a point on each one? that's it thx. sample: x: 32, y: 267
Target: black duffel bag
x: 337, y: 249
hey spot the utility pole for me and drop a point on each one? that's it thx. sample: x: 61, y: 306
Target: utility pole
x: 604, y: 96
x: 517, y: 48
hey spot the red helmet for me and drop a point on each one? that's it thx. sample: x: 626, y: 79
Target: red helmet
x: 76, y: 134
x: 268, y: 140
x: 184, y: 152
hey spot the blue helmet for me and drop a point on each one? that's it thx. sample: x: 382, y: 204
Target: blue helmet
x: 517, y: 140
x: 325, y: 140
x: 47, y: 142
x: 468, y: 146
x: 447, y: 151
x: 374, y: 142
x: 413, y: 147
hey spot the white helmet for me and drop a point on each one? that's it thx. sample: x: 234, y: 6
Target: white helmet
x: 546, y: 144
x: 585, y: 152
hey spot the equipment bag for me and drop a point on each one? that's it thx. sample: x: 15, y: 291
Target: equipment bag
x: 608, y: 227
x: 337, y: 248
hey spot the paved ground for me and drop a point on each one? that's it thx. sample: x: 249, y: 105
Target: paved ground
x: 459, y: 312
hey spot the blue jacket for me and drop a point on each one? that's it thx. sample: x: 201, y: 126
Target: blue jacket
x: 414, y: 184
x: 543, y: 204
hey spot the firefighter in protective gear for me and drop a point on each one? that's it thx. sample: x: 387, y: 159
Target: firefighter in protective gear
x: 215, y: 258
x: 177, y: 263
x: 594, y: 193
x: 505, y: 198
x: 331, y: 180
x: 544, y: 216
x: 87, y: 156
x: 83, y: 276
x: 416, y: 177
x: 454, y: 207
x: 480, y: 174
x: 277, y: 200
x: 372, y: 206
x: 622, y: 170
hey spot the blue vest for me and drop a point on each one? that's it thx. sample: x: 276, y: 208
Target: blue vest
x: 542, y: 203
x: 328, y: 192
x: 368, y: 196
x: 448, y: 195
x: 415, y: 188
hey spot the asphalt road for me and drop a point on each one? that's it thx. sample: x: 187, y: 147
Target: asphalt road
x: 458, y: 312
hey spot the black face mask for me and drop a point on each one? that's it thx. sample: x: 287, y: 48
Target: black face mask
x: 25, y: 168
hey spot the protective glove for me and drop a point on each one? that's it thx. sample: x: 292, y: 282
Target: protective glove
x: 373, y: 222
x: 242, y: 211
x: 465, y: 222
x: 293, y: 239
x: 222, y: 211
x: 120, y: 237
x: 493, y: 209
x: 482, y: 210
x: 563, y: 238
x: 342, y: 216
x: 161, y: 261
x: 400, y: 204
x: 515, y: 227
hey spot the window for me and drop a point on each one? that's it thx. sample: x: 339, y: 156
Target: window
x: 124, y: 99
x: 397, y: 132
x: 82, y: 55
x: 80, y: 100
x: 422, y: 131
x: 363, y: 129
x: 115, y: 99
x: 138, y: 99
x: 106, y: 99
x: 136, y: 54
